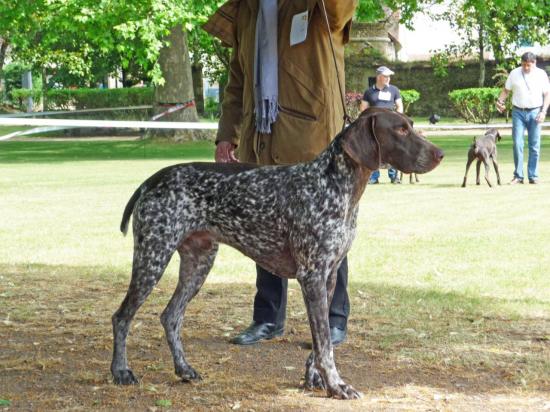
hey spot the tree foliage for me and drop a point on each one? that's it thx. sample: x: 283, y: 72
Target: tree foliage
x: 91, y: 38
x: 372, y: 10
x: 500, y: 26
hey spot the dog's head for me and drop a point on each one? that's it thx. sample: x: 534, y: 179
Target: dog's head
x: 382, y: 136
x: 492, y: 132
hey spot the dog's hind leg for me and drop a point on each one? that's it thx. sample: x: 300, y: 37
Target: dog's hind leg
x: 197, y: 255
x: 486, y: 164
x: 468, y: 164
x: 147, y: 268
x: 478, y: 169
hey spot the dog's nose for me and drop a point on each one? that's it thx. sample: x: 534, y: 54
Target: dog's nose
x: 438, y: 154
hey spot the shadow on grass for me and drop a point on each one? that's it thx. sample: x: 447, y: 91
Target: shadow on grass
x: 56, y: 339
x: 56, y: 151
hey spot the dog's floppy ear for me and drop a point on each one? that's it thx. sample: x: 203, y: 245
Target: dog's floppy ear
x: 498, y: 136
x: 360, y: 142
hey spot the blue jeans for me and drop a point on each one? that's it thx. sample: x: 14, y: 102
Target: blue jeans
x: 522, y: 120
x: 392, y: 174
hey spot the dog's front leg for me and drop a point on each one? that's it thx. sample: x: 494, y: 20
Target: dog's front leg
x: 495, y: 165
x: 320, y: 369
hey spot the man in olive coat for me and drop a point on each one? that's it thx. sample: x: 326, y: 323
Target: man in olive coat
x: 282, y: 105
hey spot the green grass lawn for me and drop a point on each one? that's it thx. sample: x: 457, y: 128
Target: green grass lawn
x: 61, y: 204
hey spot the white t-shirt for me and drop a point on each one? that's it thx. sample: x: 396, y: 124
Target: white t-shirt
x: 527, y: 88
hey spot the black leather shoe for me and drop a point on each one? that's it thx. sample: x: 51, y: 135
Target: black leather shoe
x: 337, y: 335
x: 257, y: 332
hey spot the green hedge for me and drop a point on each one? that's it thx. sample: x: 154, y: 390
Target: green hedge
x: 409, y: 97
x: 19, y: 97
x: 475, y: 105
x: 66, y: 99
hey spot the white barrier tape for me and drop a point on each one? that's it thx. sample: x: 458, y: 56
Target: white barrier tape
x: 54, y: 124
x: 469, y: 126
x: 103, y: 109
x: 124, y: 124
x: 33, y: 131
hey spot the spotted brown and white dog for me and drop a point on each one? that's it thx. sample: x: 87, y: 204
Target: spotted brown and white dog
x: 295, y: 221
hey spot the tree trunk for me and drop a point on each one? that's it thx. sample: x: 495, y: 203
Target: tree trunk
x: 178, y: 87
x: 43, y: 100
x: 3, y: 50
x: 196, y: 71
x: 481, y: 44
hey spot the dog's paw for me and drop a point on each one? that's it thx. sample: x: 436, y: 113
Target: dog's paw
x: 344, y: 391
x: 124, y: 377
x: 313, y: 380
x: 188, y: 374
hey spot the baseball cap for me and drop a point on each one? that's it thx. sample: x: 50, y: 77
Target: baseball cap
x: 383, y: 70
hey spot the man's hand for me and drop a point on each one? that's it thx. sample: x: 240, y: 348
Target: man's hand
x: 225, y: 153
x: 541, y: 116
x: 501, y: 105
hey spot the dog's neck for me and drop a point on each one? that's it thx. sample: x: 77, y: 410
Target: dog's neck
x: 341, y: 170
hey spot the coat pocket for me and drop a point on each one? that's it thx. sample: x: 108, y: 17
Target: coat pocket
x: 298, y: 138
x: 298, y: 91
x: 302, y: 129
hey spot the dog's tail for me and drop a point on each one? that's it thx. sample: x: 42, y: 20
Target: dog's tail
x: 129, y: 209
x: 475, y: 147
x: 150, y: 183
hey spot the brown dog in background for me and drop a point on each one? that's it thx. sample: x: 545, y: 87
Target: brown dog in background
x: 413, y: 177
x: 484, y: 148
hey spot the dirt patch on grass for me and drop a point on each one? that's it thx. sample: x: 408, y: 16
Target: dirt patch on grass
x: 55, y: 352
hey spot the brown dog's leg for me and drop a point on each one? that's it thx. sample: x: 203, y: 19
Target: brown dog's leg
x: 468, y: 164
x: 486, y: 164
x: 495, y: 164
x: 478, y: 168
x: 320, y: 367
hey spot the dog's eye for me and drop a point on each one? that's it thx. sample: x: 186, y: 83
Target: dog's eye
x: 402, y: 131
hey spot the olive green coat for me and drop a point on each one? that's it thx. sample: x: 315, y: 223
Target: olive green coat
x: 310, y: 108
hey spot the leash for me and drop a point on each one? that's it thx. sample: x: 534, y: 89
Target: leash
x: 347, y: 119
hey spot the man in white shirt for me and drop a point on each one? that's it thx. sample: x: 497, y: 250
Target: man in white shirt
x: 530, y: 99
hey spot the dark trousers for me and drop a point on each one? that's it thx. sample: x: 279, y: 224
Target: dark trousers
x: 271, y: 295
